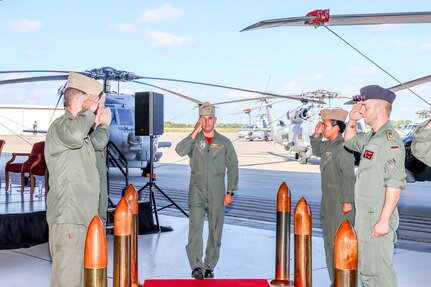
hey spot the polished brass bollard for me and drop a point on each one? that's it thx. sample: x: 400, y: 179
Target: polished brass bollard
x: 132, y: 198
x: 95, y: 255
x: 345, y: 256
x: 282, y: 248
x: 122, y: 244
x: 302, y: 230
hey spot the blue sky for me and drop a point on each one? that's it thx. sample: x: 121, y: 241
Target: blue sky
x: 200, y: 41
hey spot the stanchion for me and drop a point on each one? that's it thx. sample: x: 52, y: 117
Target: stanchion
x: 282, y: 248
x: 132, y: 198
x: 122, y: 244
x: 302, y: 230
x: 95, y: 255
x: 346, y: 256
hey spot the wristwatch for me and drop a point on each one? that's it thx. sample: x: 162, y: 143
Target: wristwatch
x: 231, y: 193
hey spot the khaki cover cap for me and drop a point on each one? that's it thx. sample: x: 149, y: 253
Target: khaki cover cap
x: 84, y: 84
x: 206, y: 109
x: 334, y: 114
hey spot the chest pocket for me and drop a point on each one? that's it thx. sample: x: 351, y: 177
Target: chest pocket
x: 216, y: 150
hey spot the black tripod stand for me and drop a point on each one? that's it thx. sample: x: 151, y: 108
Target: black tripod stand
x: 151, y: 184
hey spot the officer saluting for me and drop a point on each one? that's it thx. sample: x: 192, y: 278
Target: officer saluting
x: 212, y: 158
x: 380, y: 178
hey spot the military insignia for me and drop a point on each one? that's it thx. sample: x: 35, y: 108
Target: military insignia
x: 395, y: 148
x: 328, y: 153
x: 390, y: 135
x: 202, y: 144
x: 214, y: 145
x: 368, y: 154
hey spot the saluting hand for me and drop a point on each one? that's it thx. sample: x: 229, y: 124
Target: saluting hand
x: 318, y: 129
x: 90, y: 103
x: 355, y: 112
x: 198, y: 126
x: 105, y: 116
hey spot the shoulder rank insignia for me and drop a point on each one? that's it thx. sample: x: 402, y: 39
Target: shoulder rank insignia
x: 390, y: 135
x: 368, y: 154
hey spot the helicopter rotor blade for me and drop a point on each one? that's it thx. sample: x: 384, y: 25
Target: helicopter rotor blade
x: 34, y: 79
x: 406, y: 85
x: 243, y: 100
x: 170, y: 91
x: 410, y: 84
x: 299, y: 98
x: 347, y: 19
x: 33, y: 71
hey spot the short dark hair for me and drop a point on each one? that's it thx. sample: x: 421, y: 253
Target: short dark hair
x: 340, y: 124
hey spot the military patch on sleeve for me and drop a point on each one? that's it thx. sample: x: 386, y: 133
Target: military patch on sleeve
x: 395, y: 148
x: 368, y: 154
x: 390, y: 135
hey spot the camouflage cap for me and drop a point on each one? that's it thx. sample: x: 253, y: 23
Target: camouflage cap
x: 375, y: 92
x: 84, y: 84
x: 334, y: 114
x: 206, y: 109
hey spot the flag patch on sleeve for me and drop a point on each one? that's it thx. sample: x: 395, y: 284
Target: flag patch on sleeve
x: 368, y: 154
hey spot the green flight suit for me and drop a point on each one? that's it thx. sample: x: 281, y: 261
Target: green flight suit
x: 209, y: 165
x: 381, y: 166
x: 100, y: 139
x: 73, y: 197
x: 338, y: 183
x: 421, y: 145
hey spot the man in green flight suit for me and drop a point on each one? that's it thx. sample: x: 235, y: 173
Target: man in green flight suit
x: 379, y: 180
x: 338, y: 178
x: 421, y: 145
x: 212, y: 155
x: 73, y: 198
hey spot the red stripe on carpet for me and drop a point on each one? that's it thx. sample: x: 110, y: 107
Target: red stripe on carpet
x: 206, y: 283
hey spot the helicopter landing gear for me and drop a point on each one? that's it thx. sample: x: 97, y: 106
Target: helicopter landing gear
x: 302, y: 157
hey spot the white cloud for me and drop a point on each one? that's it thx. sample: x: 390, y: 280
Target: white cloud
x: 23, y: 26
x: 125, y: 28
x: 165, y: 40
x: 361, y: 71
x: 426, y: 47
x: 165, y: 12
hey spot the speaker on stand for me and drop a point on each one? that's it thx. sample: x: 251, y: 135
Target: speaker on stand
x: 149, y: 121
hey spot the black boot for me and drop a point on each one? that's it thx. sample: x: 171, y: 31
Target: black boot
x: 197, y: 273
x: 209, y: 273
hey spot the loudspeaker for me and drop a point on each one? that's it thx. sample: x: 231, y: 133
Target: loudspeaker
x: 148, y: 114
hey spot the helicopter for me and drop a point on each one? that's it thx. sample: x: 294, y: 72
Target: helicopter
x: 255, y: 130
x: 294, y: 134
x: 134, y: 149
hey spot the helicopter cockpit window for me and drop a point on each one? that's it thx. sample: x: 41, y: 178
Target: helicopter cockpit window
x: 125, y: 117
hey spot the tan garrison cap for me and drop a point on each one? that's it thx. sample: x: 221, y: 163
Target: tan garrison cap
x: 84, y: 83
x: 206, y: 109
x: 334, y: 114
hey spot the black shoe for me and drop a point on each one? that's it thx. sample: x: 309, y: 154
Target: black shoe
x: 209, y: 273
x: 197, y: 273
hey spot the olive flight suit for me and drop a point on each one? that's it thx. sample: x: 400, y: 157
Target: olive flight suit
x: 73, y: 197
x: 338, y: 183
x: 100, y: 139
x: 209, y: 164
x: 421, y: 145
x: 381, y: 166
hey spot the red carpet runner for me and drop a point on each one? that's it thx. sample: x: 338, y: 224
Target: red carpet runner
x: 207, y: 283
